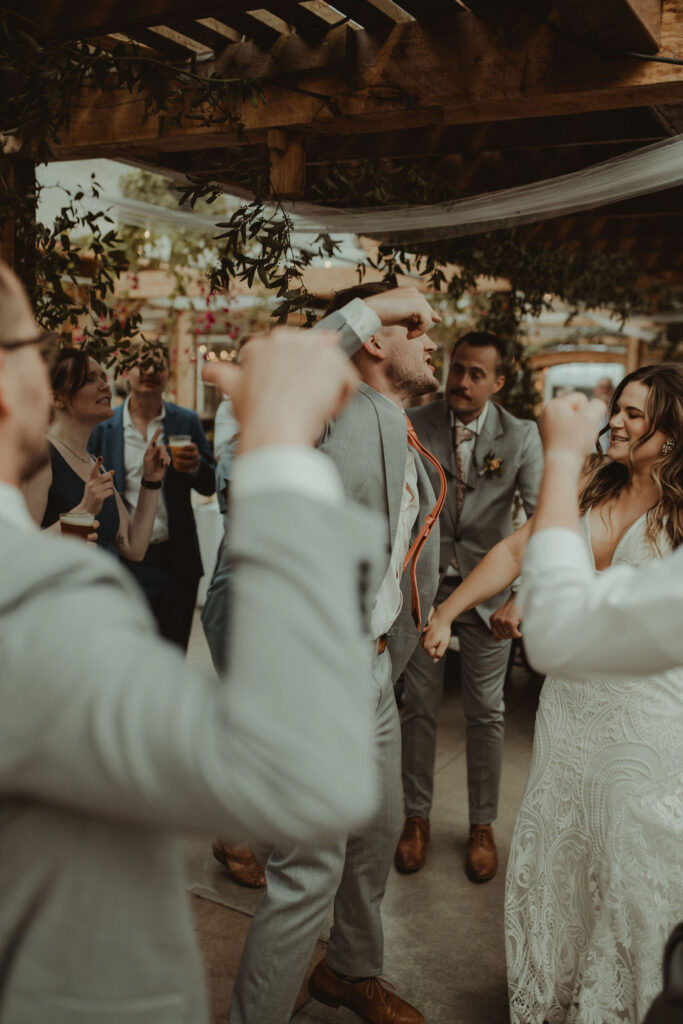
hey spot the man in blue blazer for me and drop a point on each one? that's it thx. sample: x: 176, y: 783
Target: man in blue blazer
x: 170, y: 572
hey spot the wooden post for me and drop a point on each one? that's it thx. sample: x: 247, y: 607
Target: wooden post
x: 18, y: 247
x: 287, y: 164
x: 634, y: 353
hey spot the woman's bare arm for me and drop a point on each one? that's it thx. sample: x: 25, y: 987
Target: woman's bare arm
x: 134, y: 532
x: 496, y: 571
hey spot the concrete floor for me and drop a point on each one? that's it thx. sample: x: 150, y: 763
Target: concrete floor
x: 444, y: 946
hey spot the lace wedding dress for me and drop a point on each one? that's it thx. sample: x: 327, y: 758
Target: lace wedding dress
x: 595, y: 873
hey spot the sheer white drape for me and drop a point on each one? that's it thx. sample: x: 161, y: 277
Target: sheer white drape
x: 652, y: 169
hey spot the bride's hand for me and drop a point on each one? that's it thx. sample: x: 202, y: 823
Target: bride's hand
x: 436, y: 636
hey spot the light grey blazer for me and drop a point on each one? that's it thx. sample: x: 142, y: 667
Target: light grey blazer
x: 109, y: 742
x: 368, y: 443
x: 486, y: 516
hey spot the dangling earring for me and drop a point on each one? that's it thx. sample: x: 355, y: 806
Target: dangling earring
x: 668, y: 446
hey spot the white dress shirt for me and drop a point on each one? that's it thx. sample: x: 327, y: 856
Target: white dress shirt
x: 389, y: 598
x: 623, y: 621
x: 134, y: 447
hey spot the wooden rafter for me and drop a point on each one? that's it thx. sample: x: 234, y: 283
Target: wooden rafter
x: 366, y: 15
x: 287, y: 55
x: 261, y: 33
x: 207, y: 37
x: 168, y: 48
x: 432, y: 10
x: 614, y: 24
x: 99, y: 17
x: 467, y: 74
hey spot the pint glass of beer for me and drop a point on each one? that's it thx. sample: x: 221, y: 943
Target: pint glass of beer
x: 175, y: 443
x: 77, y: 524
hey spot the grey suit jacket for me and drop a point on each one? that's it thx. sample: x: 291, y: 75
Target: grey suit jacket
x: 368, y: 443
x: 109, y: 742
x: 487, y: 507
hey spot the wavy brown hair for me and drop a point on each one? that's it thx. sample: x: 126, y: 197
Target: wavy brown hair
x: 663, y: 411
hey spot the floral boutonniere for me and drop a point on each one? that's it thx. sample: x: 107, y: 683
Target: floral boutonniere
x: 493, y: 466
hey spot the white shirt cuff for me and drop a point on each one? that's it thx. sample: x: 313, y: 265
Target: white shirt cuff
x: 287, y: 468
x: 362, y: 320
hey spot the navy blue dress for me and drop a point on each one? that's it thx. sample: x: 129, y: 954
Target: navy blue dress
x: 66, y: 491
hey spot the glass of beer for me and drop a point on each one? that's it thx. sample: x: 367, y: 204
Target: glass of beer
x: 77, y: 524
x: 175, y: 443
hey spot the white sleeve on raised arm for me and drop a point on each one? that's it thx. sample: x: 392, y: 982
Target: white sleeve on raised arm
x: 298, y: 470
x: 577, y: 623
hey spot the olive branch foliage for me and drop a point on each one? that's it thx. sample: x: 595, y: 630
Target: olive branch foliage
x: 43, y: 79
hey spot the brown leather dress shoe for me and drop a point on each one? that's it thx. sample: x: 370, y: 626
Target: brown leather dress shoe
x: 370, y: 999
x: 482, y: 856
x: 242, y: 867
x: 412, y: 846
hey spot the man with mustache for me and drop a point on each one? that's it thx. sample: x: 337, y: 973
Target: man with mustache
x: 170, y: 572
x: 488, y: 455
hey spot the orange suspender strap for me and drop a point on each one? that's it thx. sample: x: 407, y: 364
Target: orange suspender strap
x: 421, y: 539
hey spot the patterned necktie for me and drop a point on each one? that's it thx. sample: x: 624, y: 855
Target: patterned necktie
x: 421, y: 539
x: 461, y: 434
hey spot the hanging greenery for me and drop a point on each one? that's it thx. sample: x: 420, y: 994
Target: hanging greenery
x: 71, y: 282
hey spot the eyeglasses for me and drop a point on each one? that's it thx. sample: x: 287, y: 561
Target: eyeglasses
x: 10, y: 346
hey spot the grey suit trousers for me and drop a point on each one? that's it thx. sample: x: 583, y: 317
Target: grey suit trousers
x: 483, y: 665
x: 303, y: 882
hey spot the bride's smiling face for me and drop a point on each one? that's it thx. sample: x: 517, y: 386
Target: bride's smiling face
x: 628, y: 424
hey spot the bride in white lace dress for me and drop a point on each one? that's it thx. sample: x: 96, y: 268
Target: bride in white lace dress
x: 595, y: 872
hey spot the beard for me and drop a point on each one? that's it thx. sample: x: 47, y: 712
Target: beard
x: 33, y: 457
x: 415, y: 385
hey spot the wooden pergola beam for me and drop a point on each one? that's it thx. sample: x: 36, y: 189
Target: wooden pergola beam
x: 598, y: 129
x: 99, y: 17
x: 614, y: 24
x: 467, y: 74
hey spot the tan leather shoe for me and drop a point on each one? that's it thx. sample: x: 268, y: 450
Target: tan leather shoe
x: 370, y: 998
x: 241, y: 864
x: 482, y: 856
x: 412, y: 846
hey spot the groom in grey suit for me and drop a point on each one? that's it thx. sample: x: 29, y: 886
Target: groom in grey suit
x: 369, y: 445
x: 110, y: 742
x: 487, y: 455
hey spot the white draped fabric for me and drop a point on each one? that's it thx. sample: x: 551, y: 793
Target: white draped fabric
x: 651, y: 169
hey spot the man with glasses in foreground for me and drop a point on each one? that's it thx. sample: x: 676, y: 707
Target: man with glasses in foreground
x: 110, y: 742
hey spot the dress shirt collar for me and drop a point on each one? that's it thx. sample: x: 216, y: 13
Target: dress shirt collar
x: 476, y: 426
x: 127, y: 419
x: 13, y: 507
